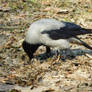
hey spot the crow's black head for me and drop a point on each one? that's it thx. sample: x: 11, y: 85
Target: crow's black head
x: 29, y: 48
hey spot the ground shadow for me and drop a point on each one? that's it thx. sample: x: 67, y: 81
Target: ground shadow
x: 64, y: 54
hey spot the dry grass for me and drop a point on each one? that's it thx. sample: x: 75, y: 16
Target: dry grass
x: 73, y: 75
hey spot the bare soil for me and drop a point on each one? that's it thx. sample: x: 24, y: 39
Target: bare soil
x: 72, y: 74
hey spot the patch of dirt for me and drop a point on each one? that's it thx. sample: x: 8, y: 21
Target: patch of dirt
x: 68, y: 74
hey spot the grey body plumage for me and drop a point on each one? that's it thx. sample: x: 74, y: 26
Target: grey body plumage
x: 52, y: 33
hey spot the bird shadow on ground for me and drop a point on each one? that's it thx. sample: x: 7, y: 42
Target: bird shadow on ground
x: 64, y: 55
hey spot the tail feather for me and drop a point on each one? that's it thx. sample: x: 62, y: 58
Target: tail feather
x: 78, y: 41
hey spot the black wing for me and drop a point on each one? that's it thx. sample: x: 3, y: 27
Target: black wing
x: 68, y: 31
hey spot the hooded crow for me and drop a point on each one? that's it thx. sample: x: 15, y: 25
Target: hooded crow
x: 52, y: 33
